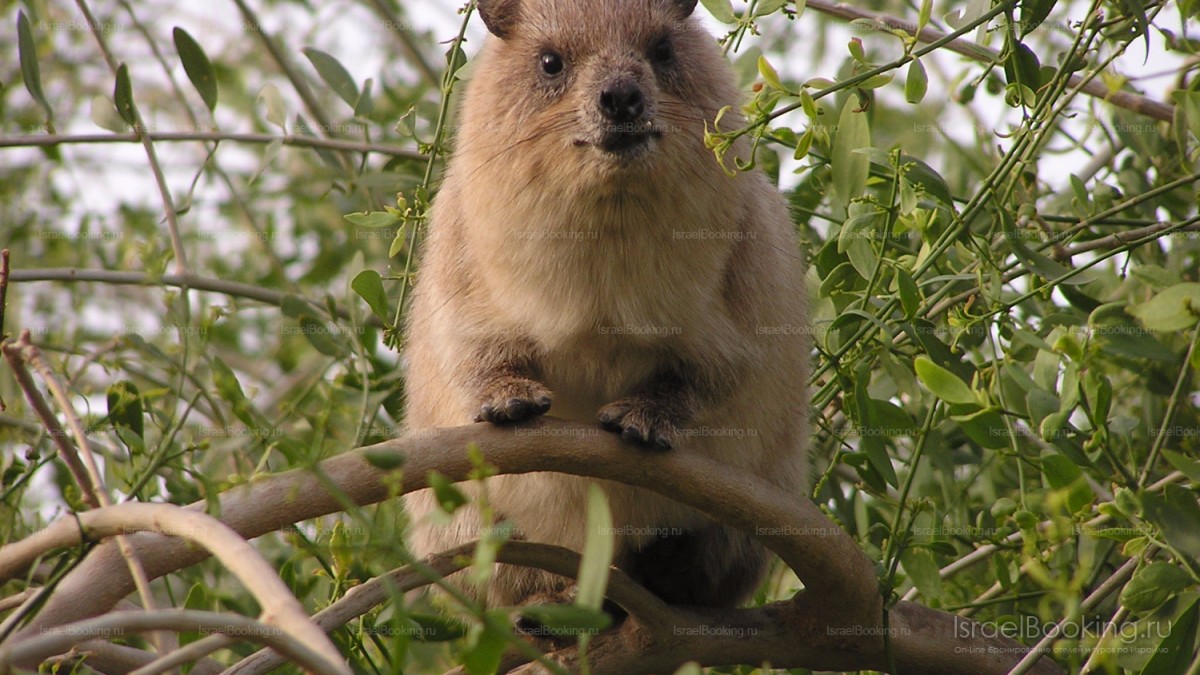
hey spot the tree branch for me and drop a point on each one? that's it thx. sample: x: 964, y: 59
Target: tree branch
x: 836, y: 623
x: 1095, y: 88
x: 279, y: 607
x: 210, y: 136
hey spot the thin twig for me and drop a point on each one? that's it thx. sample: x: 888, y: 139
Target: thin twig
x: 1122, y: 99
x: 210, y: 136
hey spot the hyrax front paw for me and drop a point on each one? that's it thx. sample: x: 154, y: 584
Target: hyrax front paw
x: 512, y: 399
x: 640, y: 420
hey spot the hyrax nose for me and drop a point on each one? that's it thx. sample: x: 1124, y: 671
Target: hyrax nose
x: 622, y: 102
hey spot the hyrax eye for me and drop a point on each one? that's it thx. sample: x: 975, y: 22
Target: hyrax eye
x: 551, y: 63
x: 662, y: 51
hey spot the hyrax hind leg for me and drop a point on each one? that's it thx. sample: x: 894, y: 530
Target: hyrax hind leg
x: 716, y: 566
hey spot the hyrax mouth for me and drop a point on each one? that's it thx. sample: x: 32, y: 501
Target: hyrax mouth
x: 627, y: 125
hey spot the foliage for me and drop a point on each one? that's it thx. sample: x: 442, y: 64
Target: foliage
x: 1004, y: 272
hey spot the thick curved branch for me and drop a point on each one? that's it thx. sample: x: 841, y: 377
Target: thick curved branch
x: 279, y: 607
x: 835, y: 624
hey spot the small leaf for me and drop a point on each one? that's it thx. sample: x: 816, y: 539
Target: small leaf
x: 943, y: 383
x: 372, y: 219
x: 1184, y: 464
x: 321, y: 337
x: 1153, y: 585
x: 436, y: 628
x: 30, y: 72
x: 721, y: 10
x: 1174, y: 309
x: 856, y: 50
x: 923, y: 571
x: 767, y: 71
x: 1175, y: 652
x: 334, y: 74
x: 365, y: 104
x: 910, y: 295
x: 197, y: 66
x: 924, y: 13
x: 448, y: 497
x: 917, y: 82
x: 850, y: 169
x: 123, y: 95
x: 276, y: 112
x: 985, y: 427
x: 125, y: 407
x: 1177, y: 514
x: 369, y: 287
x: 1033, y: 13
x: 804, y: 144
x: 105, y: 115
x: 598, y: 549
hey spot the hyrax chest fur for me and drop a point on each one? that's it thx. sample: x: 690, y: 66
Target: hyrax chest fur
x: 588, y: 257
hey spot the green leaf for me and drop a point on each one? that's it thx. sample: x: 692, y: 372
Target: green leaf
x: 226, y: 382
x: 1184, y: 464
x: 448, y: 497
x: 437, y: 628
x: 766, y: 7
x: 985, y: 427
x: 272, y: 100
x: 1174, y: 309
x: 123, y: 95
x: 321, y: 337
x: 1152, y: 585
x: 1033, y: 13
x: 369, y: 287
x: 335, y: 75
x: 1189, y: 103
x: 850, y: 169
x: 923, y: 570
x: 294, y: 306
x: 943, y: 383
x: 30, y: 72
x: 917, y: 82
x: 721, y: 10
x: 486, y: 643
x: 1063, y: 474
x: 372, y: 219
x: 1177, y: 515
x: 1174, y: 654
x: 197, y: 66
x: 365, y: 105
x: 767, y: 71
x: 384, y: 459
x: 910, y: 295
x: 125, y: 407
x: 597, y: 551
x: 889, y: 420
x: 923, y: 14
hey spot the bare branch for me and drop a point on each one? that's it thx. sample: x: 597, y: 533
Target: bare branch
x: 55, y: 641
x: 280, y: 607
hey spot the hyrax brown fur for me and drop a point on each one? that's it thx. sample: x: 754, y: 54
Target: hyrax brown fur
x: 588, y: 257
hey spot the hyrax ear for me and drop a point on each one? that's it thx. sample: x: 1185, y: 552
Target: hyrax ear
x: 500, y: 16
x: 684, y: 7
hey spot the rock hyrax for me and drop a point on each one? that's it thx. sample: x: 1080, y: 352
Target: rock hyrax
x: 588, y: 257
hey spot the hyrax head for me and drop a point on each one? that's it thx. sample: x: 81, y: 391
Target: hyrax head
x: 610, y: 83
